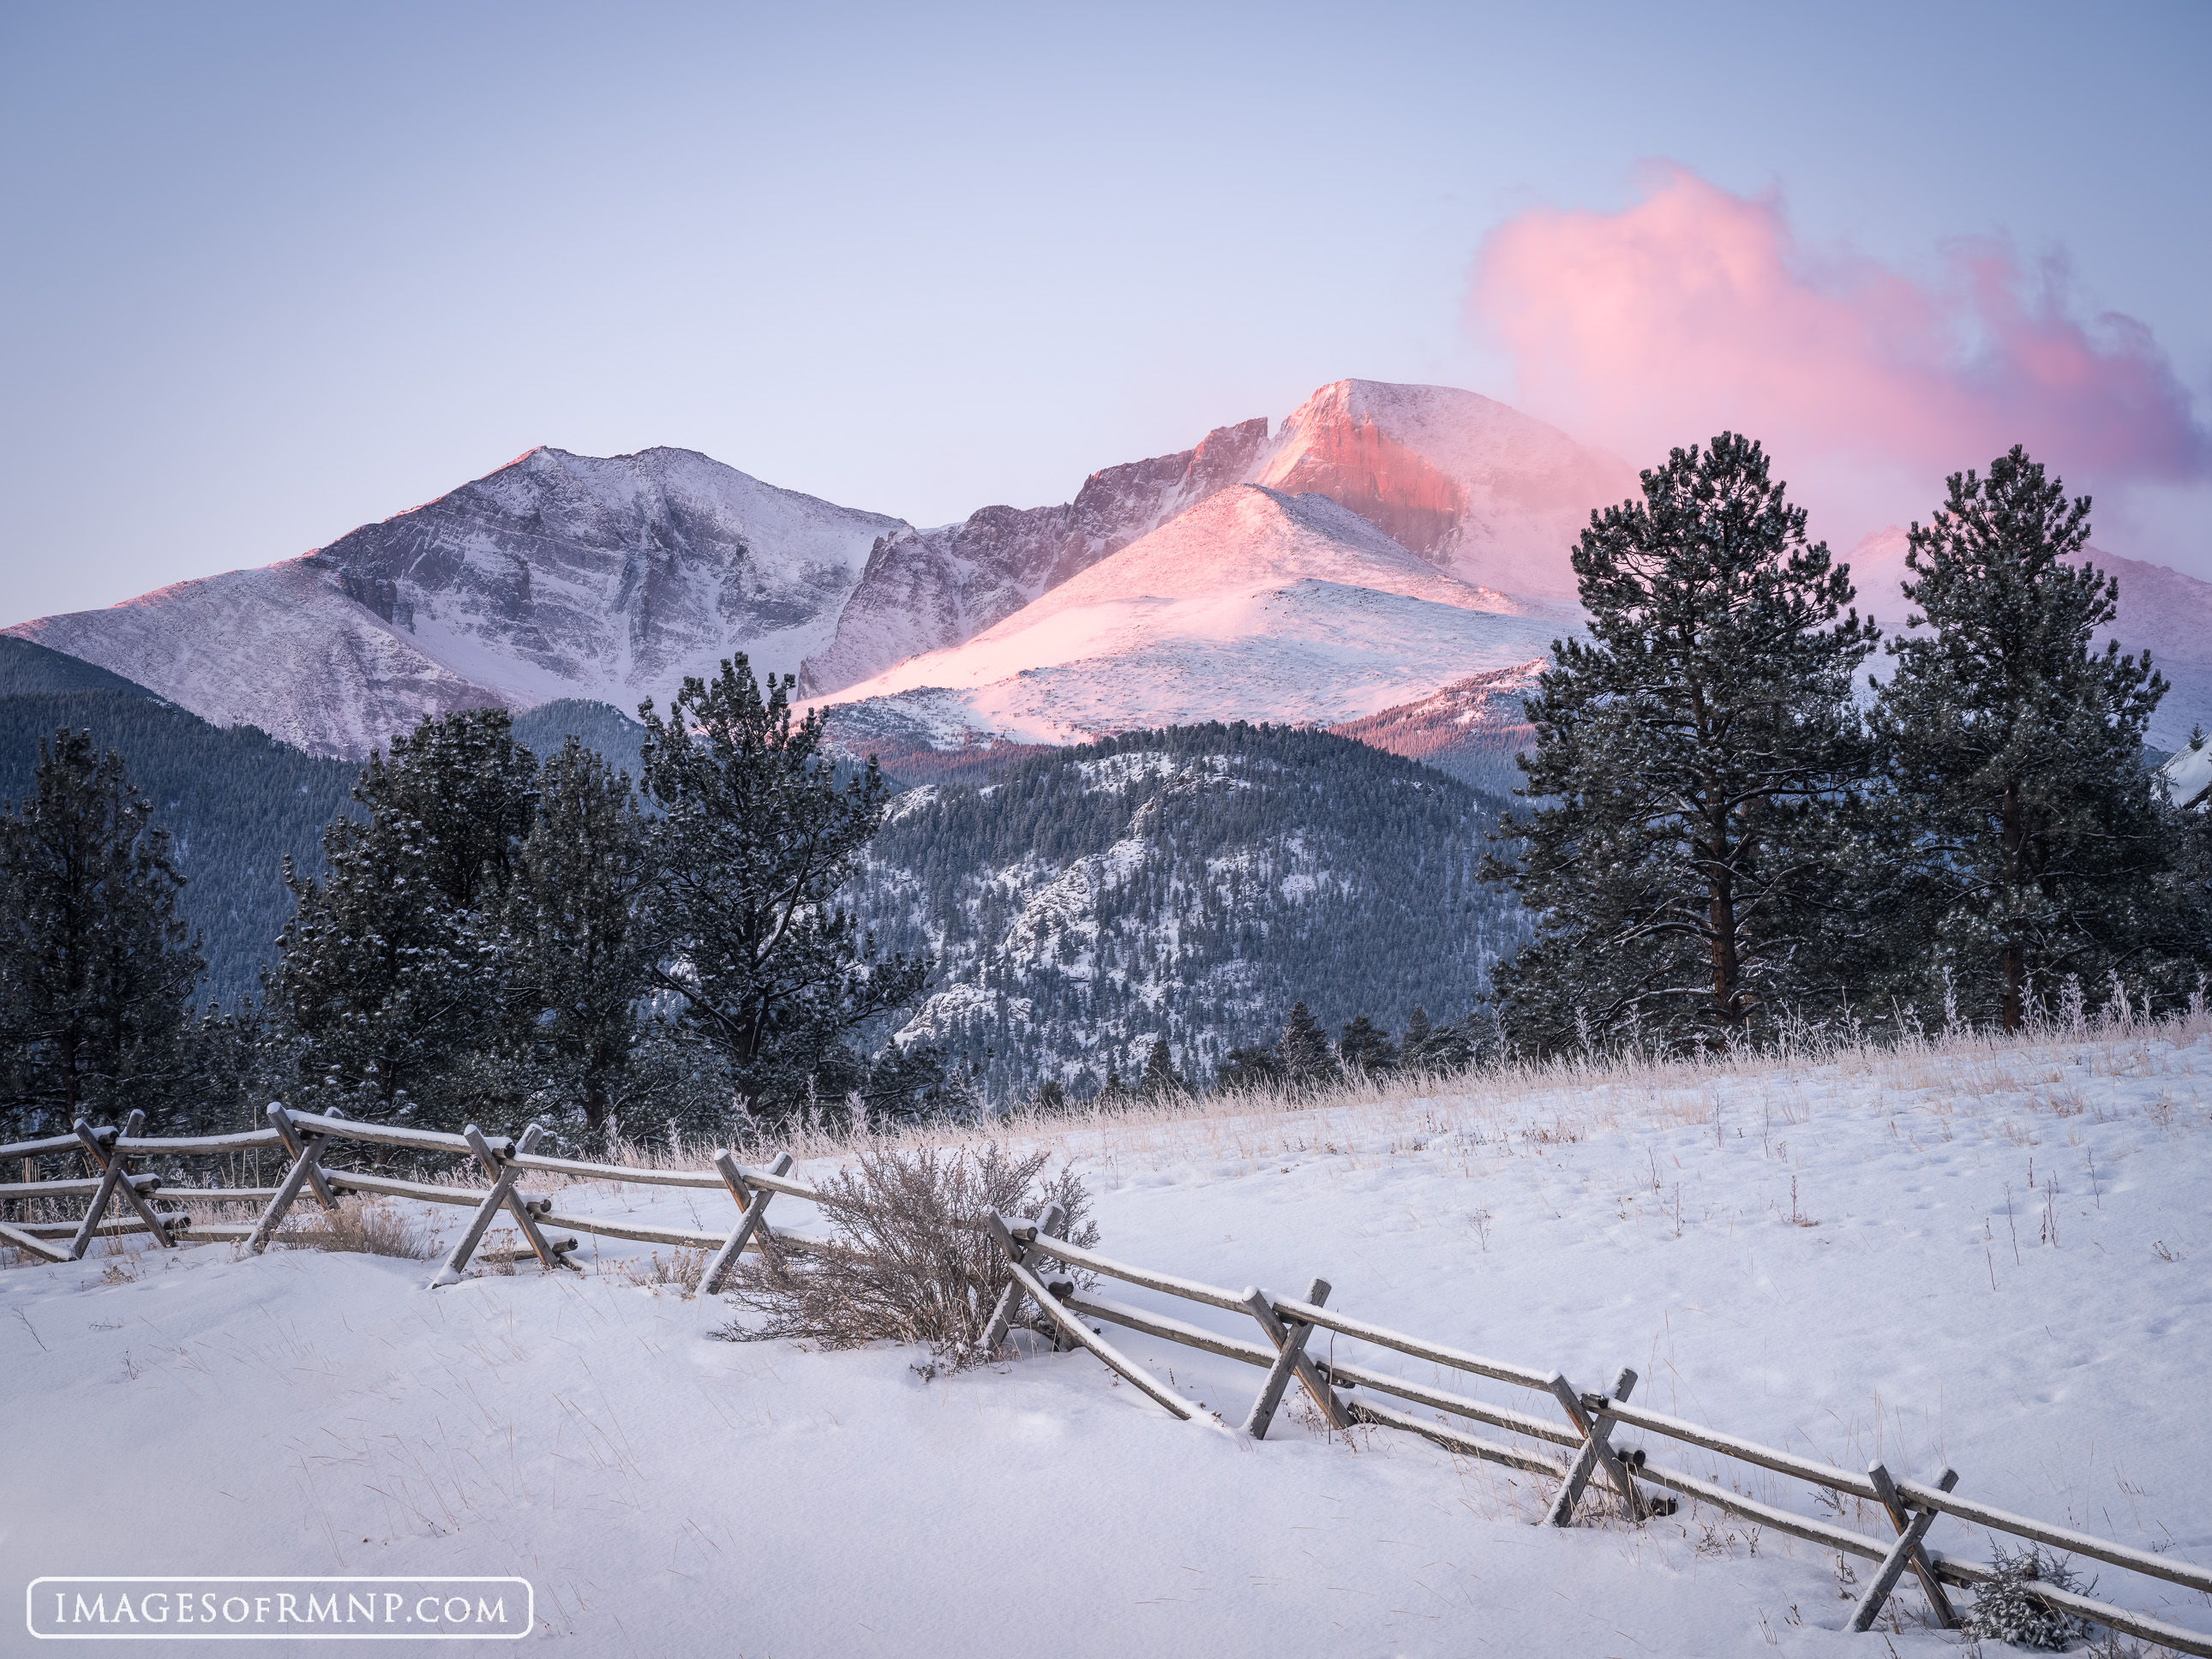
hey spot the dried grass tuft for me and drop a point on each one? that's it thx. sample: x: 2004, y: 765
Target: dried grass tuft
x: 914, y: 1263
x: 363, y: 1227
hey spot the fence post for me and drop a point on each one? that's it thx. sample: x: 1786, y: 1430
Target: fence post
x: 1287, y: 1356
x: 1082, y: 1334
x: 305, y: 1150
x: 753, y: 1204
x: 1052, y: 1223
x: 1907, y: 1551
x: 1333, y: 1410
x: 1596, y: 1430
x: 502, y: 1182
x: 117, y: 1174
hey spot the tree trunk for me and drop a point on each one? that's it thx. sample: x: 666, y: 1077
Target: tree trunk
x: 2016, y: 948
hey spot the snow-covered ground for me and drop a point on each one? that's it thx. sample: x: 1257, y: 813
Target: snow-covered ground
x: 1984, y: 1254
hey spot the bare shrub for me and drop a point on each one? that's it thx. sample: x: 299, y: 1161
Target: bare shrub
x: 913, y: 1262
x: 363, y: 1227
x: 681, y: 1273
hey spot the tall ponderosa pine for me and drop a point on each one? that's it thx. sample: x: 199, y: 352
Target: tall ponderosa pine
x: 96, y: 971
x: 756, y: 839
x: 1694, y: 759
x: 579, y: 929
x: 393, y: 976
x: 2016, y: 747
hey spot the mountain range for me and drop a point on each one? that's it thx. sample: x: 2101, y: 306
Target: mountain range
x: 1345, y: 568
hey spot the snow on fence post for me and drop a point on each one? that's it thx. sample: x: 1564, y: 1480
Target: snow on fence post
x: 1082, y: 1334
x: 305, y: 1149
x: 1050, y: 1224
x: 1288, y: 1352
x: 1906, y: 1551
x: 753, y: 1205
x: 1597, y: 1429
x: 104, y: 1149
x: 503, y: 1185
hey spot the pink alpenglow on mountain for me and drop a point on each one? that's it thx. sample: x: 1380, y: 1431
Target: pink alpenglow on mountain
x: 1253, y: 606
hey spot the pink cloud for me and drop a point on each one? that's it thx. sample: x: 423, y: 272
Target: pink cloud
x: 1696, y: 311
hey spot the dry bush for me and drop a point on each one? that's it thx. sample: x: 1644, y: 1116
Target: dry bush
x: 681, y: 1273
x: 362, y: 1227
x: 915, y: 1263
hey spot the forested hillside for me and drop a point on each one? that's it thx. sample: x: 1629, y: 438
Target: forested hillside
x: 1191, y: 884
x: 234, y: 801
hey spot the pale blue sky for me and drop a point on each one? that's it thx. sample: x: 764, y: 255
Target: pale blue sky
x: 271, y: 271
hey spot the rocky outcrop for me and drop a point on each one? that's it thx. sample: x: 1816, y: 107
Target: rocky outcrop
x: 926, y: 590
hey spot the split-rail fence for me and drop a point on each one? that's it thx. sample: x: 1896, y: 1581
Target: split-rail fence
x: 1581, y: 1446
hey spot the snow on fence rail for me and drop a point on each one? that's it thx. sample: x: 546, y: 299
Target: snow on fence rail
x: 1584, y: 1443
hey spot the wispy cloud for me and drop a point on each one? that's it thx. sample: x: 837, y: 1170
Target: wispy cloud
x: 1697, y: 310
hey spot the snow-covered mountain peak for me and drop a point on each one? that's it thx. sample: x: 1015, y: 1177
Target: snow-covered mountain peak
x: 1474, y: 485
x: 1254, y: 604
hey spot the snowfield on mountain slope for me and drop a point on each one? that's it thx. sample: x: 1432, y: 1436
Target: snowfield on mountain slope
x: 1253, y: 605
x: 1986, y: 1256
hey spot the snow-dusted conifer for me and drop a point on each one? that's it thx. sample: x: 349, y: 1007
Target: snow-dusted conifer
x: 2016, y: 748
x: 756, y: 838
x: 1304, y: 1047
x: 1161, y: 1081
x: 95, y: 968
x: 1695, y: 761
x: 1365, y: 1048
x: 392, y: 977
x: 579, y: 928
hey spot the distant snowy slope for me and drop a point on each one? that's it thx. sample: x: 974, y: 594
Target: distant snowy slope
x: 929, y: 589
x: 2162, y: 611
x: 1470, y: 730
x: 1253, y: 606
x: 557, y: 576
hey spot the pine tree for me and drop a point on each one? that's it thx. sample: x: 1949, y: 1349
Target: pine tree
x: 1701, y: 757
x: 1364, y: 1047
x: 579, y: 927
x: 2016, y: 748
x: 392, y: 983
x: 756, y: 840
x: 96, y: 970
x: 1161, y: 1081
x: 1303, y: 1050
x: 1249, y: 1067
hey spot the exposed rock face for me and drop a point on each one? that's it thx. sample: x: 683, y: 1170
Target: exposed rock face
x: 1494, y: 496
x: 928, y: 589
x: 559, y: 575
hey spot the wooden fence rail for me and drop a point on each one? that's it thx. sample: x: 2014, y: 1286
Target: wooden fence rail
x: 1585, y: 1438
x: 1569, y: 1454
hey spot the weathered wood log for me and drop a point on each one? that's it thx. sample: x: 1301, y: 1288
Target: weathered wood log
x: 1903, y: 1554
x: 1084, y: 1336
x: 1805, y: 1468
x: 1900, y: 1517
x: 184, y: 1145
x: 113, y: 1182
x: 145, y: 1181
x: 1453, y: 1440
x: 687, y: 1239
x: 754, y: 1205
x: 296, y: 1144
x: 1050, y: 1224
x: 488, y: 1205
x: 107, y: 1229
x: 1168, y: 1329
x: 707, y: 1179
x: 1287, y: 1354
x: 1595, y: 1452
x: 1823, y: 1532
x: 51, y: 1143
x: 219, y: 1194
x: 380, y: 1186
x: 22, y: 1238
x: 1189, y: 1289
x: 1383, y: 1337
x: 385, y: 1134
x: 2062, y: 1538
x: 1349, y: 1376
